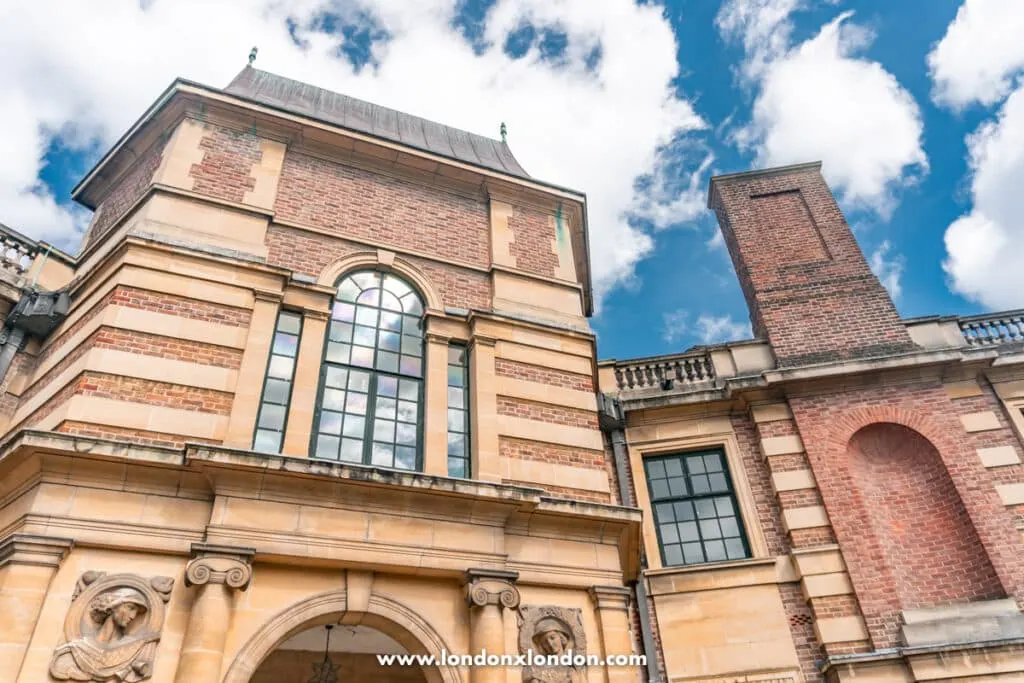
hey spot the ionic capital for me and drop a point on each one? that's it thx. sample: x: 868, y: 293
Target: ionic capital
x: 219, y: 564
x: 491, y: 587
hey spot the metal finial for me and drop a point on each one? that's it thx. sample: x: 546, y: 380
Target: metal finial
x: 252, y: 55
x: 504, y: 132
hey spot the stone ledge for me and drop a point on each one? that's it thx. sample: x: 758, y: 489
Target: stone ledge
x: 967, y: 623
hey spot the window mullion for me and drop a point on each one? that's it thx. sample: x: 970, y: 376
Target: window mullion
x: 371, y: 407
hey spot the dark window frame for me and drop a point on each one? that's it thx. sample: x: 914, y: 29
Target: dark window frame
x: 692, y: 498
x: 467, y: 420
x: 283, y: 312
x: 373, y: 385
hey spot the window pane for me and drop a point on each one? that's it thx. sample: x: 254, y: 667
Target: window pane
x: 389, y: 341
x: 674, y: 468
x: 456, y: 376
x: 391, y: 322
x: 411, y: 366
x: 411, y: 326
x: 673, y: 555
x: 363, y: 335
x: 359, y: 381
x: 729, y: 526
x: 333, y: 399
x: 366, y: 316
x: 327, y: 447
x: 457, y: 467
x: 370, y: 297
x: 718, y: 483
x: 348, y: 290
x: 352, y: 450
x: 387, y: 361
x: 457, y: 445
x: 387, y: 386
x: 709, y: 529
x: 688, y: 532
x: 389, y: 302
x: 692, y: 553
x: 456, y: 397
x: 412, y: 346
x: 409, y: 389
x: 382, y: 455
x: 684, y: 511
x: 713, y: 463
x: 276, y: 391
x: 367, y: 279
x: 267, y: 441
x: 715, y: 551
x: 385, y: 408
x: 405, y: 434
x: 330, y: 422
x: 272, y: 417
x: 285, y: 344
x: 412, y: 304
x: 344, y: 312
x: 356, y: 403
x: 456, y: 420
x: 723, y: 506
x: 656, y: 468
x: 664, y: 512
x: 669, y: 533
x: 456, y: 355
x: 336, y: 377
x: 677, y: 486
x: 362, y: 356
x: 341, y: 332
x: 405, y: 458
x: 355, y: 426
x: 705, y: 509
x: 395, y: 286
x: 659, y: 488
x: 695, y: 465
x: 281, y: 367
x: 700, y: 484
x: 289, y: 322
x: 338, y: 353
x: 383, y: 430
x: 734, y: 549
x: 407, y: 411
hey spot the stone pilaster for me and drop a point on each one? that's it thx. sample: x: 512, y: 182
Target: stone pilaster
x: 435, y: 446
x: 488, y: 592
x: 612, y: 606
x: 27, y: 565
x: 216, y: 572
x: 485, y: 462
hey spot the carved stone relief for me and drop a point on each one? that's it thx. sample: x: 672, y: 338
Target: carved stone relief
x: 112, y: 628
x: 549, y: 630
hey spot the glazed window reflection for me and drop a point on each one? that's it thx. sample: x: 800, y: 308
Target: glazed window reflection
x: 695, y: 509
x: 371, y: 385
x: 277, y: 387
x: 458, y: 411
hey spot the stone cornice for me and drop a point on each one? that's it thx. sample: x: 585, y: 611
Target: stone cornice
x: 40, y: 551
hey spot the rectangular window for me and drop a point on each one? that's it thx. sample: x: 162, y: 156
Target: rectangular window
x: 277, y: 387
x: 695, y: 508
x: 458, y: 411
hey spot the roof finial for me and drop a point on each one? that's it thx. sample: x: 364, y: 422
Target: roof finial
x: 504, y: 132
x: 252, y: 55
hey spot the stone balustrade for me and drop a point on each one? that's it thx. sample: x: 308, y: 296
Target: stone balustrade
x: 994, y: 328
x: 691, y: 370
x: 16, y: 253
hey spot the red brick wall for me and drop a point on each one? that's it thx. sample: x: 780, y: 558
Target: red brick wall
x: 924, y: 525
x: 225, y: 171
x: 808, y: 286
x: 309, y: 253
x: 355, y: 203
x: 532, y: 245
x: 801, y: 626
x: 918, y: 519
x: 139, y: 436
x: 542, y: 375
x: 126, y: 191
x: 547, y: 412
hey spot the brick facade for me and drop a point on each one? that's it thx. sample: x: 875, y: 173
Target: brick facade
x: 350, y: 202
x: 532, y: 246
x: 125, y: 193
x: 808, y: 285
x: 225, y: 171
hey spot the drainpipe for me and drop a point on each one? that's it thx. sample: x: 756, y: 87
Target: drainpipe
x: 613, y: 423
x: 12, y: 339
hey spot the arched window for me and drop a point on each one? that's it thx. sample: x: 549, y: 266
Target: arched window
x: 371, y: 386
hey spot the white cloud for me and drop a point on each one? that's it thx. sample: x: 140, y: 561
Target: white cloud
x: 985, y: 247
x: 709, y: 329
x: 819, y: 100
x: 981, y: 55
x: 96, y: 66
x: 888, y: 269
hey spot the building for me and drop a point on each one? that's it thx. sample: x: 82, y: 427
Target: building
x: 320, y: 386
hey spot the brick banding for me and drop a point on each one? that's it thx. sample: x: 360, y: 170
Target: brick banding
x: 542, y: 375
x: 546, y: 412
x: 225, y: 171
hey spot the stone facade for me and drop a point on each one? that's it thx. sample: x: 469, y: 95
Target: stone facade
x: 839, y: 499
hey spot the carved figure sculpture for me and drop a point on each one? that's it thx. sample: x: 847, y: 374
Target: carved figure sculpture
x: 112, y: 628
x: 552, y: 631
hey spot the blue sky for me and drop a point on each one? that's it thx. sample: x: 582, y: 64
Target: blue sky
x: 635, y: 104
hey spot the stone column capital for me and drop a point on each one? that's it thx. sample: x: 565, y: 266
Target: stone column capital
x: 219, y: 564
x: 491, y: 587
x: 41, y: 551
x: 610, y: 597
x: 482, y: 341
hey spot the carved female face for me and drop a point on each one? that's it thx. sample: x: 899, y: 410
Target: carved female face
x: 553, y: 643
x: 124, y: 614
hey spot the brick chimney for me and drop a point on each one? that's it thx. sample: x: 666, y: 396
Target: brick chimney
x: 810, y: 290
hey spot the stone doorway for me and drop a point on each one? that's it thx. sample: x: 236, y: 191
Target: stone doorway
x: 353, y: 654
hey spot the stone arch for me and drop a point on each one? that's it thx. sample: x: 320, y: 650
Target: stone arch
x: 925, y: 535
x: 378, y: 260
x: 382, y: 613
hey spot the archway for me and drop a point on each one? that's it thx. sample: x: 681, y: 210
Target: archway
x: 351, y: 655
x: 382, y: 623
x: 928, y: 542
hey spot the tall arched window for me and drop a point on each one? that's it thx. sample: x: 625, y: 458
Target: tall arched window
x: 371, y: 386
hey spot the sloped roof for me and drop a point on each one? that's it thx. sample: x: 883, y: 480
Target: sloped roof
x: 348, y: 112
